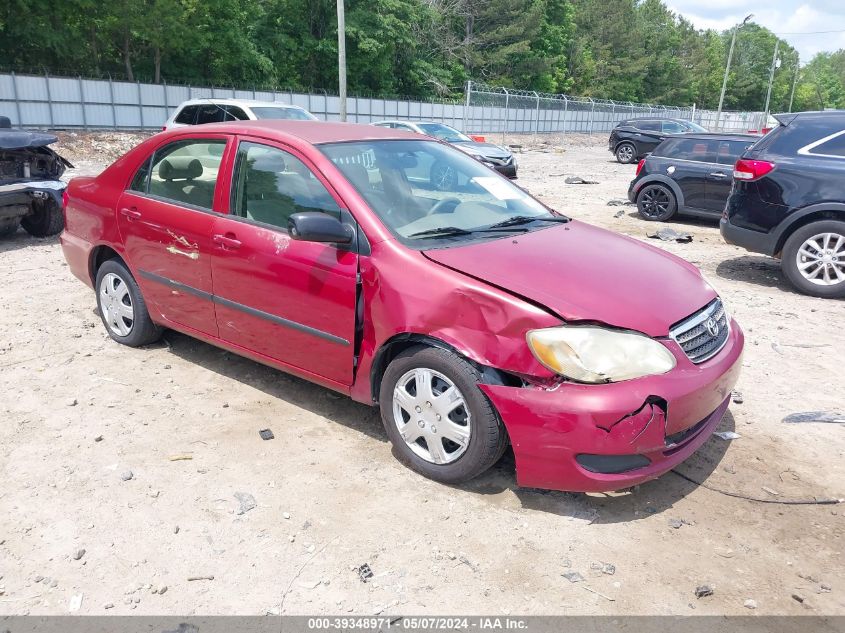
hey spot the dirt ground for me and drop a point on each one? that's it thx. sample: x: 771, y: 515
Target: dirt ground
x: 80, y: 413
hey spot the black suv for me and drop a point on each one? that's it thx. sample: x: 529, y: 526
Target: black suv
x: 687, y: 173
x: 788, y: 200
x: 632, y: 139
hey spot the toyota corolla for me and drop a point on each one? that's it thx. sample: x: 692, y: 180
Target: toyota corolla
x: 475, y: 317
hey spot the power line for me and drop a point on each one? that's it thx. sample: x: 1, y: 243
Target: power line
x: 812, y: 32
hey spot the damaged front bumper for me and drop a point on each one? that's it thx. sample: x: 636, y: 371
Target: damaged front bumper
x: 594, y: 438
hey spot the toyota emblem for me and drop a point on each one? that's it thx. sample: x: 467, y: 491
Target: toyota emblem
x: 712, y: 326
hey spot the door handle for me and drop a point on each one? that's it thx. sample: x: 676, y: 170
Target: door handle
x: 131, y: 214
x: 227, y: 241
x: 718, y: 174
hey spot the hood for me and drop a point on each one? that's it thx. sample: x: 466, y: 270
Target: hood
x: 17, y: 139
x: 485, y: 149
x: 584, y: 273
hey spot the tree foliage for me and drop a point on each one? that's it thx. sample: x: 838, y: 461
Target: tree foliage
x: 628, y: 50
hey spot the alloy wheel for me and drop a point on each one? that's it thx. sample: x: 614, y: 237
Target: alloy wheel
x: 821, y: 259
x: 431, y: 415
x: 625, y: 153
x: 655, y: 202
x: 116, y: 304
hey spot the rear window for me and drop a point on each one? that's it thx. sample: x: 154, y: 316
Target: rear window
x: 649, y: 126
x: 730, y: 151
x: 210, y: 113
x: 188, y: 115
x: 702, y: 150
x: 832, y: 146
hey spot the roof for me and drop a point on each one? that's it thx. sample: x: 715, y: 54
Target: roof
x: 725, y: 136
x: 250, y: 103
x: 314, y: 132
x: 787, y: 117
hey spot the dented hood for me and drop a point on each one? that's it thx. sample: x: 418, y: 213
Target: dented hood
x: 584, y: 273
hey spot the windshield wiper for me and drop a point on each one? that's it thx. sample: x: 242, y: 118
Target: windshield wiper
x: 527, y: 219
x: 441, y: 231
x: 450, y: 231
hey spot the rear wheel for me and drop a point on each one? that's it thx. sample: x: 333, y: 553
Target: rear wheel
x: 9, y: 227
x: 437, y: 418
x: 656, y: 203
x: 626, y: 153
x: 45, y: 220
x: 813, y: 259
x: 122, y: 307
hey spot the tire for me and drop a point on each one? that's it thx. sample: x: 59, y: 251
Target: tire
x: 443, y: 177
x: 827, y: 239
x: 626, y: 153
x: 656, y: 203
x: 460, y: 462
x: 116, y: 291
x: 9, y: 227
x: 45, y: 220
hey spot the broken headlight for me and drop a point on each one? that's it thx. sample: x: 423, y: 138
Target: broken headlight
x: 595, y: 354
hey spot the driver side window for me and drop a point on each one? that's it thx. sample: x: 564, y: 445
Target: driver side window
x: 271, y: 184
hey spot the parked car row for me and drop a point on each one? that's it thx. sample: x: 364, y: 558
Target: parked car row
x: 781, y: 195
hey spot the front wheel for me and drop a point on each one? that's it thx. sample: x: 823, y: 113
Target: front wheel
x: 626, y: 153
x: 122, y: 308
x: 437, y: 418
x: 813, y: 259
x: 45, y: 219
x: 656, y: 203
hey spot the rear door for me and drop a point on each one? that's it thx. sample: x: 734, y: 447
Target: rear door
x: 291, y: 301
x: 720, y: 178
x: 165, y: 219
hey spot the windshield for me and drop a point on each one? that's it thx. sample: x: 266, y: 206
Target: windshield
x: 270, y: 112
x: 424, y: 190
x: 443, y: 132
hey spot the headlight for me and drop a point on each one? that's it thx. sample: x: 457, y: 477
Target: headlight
x: 595, y: 354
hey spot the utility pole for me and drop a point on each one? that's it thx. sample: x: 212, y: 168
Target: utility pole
x: 728, y: 68
x: 771, y: 80
x: 794, y: 81
x: 341, y: 57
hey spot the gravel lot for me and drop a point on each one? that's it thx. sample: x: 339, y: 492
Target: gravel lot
x: 80, y: 413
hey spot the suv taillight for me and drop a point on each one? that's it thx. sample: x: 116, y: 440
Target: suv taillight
x: 752, y: 169
x: 640, y: 166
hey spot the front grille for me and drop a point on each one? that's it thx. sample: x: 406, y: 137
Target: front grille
x: 703, y: 334
x: 500, y: 161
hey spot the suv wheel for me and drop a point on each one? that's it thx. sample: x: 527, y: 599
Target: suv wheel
x: 626, y: 153
x: 656, y: 203
x: 814, y: 259
x: 437, y: 418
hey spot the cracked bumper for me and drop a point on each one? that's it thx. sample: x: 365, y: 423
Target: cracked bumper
x: 662, y: 418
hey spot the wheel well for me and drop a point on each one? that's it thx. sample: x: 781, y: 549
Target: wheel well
x: 99, y: 256
x: 401, y: 342
x: 815, y: 216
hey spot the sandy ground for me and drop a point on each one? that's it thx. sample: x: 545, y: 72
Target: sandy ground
x: 79, y: 413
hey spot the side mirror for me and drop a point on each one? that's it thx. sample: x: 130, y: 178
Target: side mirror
x: 312, y: 226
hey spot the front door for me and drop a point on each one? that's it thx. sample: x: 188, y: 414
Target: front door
x: 289, y: 300
x: 165, y: 221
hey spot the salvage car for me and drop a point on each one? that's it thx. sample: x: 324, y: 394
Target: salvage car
x: 474, y: 317
x: 202, y: 111
x: 688, y: 174
x: 30, y: 186
x: 788, y: 200
x: 494, y: 156
x: 632, y: 139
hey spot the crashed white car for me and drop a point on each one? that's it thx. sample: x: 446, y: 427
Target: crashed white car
x: 30, y: 182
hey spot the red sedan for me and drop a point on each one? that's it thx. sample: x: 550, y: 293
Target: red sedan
x: 474, y: 317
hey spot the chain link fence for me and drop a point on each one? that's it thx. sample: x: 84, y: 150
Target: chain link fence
x: 496, y: 110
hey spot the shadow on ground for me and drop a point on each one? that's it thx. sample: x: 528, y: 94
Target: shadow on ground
x: 641, y: 502
x: 22, y: 239
x: 757, y: 270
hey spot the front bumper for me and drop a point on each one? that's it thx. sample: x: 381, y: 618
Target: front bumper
x: 662, y: 418
x: 509, y: 171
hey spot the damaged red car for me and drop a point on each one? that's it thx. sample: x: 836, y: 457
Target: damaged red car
x: 475, y: 317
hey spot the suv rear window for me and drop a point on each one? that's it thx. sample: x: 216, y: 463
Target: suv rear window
x: 210, y: 113
x: 188, y: 115
x: 650, y: 126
